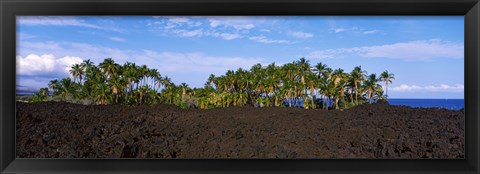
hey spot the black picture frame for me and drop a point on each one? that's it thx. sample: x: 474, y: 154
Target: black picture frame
x: 470, y: 9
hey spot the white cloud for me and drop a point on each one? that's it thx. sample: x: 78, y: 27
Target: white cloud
x: 53, y: 20
x: 406, y: 88
x: 371, y: 31
x: 338, y: 30
x: 171, y: 22
x: 300, y: 34
x: 445, y: 88
x: 34, y: 63
x: 247, y: 26
x: 355, y: 30
x: 24, y: 36
x: 224, y: 27
x: 67, y: 62
x: 202, y: 33
x: 236, y: 22
x: 179, y: 19
x: 228, y: 36
x: 421, y: 50
x: 44, y: 64
x: 187, y: 33
x: 64, y: 21
x: 334, y: 53
x: 263, y: 39
x: 171, y: 28
x: 265, y: 30
x: 117, y: 39
x: 214, y: 23
x: 430, y: 88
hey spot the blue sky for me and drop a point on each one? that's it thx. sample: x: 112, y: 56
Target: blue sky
x: 426, y: 54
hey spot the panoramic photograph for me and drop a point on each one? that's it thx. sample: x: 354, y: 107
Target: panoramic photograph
x: 240, y: 87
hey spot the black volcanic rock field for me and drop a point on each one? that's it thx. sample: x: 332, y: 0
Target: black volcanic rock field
x: 63, y: 130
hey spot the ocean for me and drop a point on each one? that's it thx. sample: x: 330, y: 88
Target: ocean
x: 452, y: 104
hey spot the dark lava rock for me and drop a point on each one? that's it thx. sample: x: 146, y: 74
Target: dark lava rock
x: 63, y: 130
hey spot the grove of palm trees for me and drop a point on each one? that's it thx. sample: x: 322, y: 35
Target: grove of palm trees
x: 295, y: 84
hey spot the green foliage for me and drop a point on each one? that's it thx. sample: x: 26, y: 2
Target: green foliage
x: 267, y: 86
x: 37, y: 98
x: 40, y: 96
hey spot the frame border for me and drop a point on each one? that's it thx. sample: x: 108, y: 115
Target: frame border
x: 470, y: 9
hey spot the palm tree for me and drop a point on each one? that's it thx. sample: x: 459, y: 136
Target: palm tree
x: 130, y: 74
x: 240, y: 98
x: 340, y: 92
x: 304, y: 67
x: 40, y: 96
x: 101, y: 93
x: 167, y: 93
x: 357, y: 76
x: 328, y: 72
x: 286, y: 91
x: 312, y: 84
x: 258, y: 74
x: 159, y: 81
x: 167, y: 82
x: 326, y: 85
x: 184, y: 91
x: 338, y: 75
x: 289, y: 71
x: 116, y: 84
x: 86, y: 64
x: 108, y: 67
x: 43, y: 92
x: 66, y: 87
x: 371, y: 86
x: 54, y: 85
x: 387, y: 78
x: 320, y: 69
x: 91, y: 78
x: 143, y: 72
x: 339, y: 79
x: 230, y: 80
x: 154, y: 74
x: 211, y: 79
x: 77, y: 72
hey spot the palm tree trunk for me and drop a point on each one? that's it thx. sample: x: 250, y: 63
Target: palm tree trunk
x: 327, y: 102
x: 336, y: 102
x: 356, y: 93
x: 313, y: 105
x: 370, y: 96
x: 351, y: 96
x: 276, y: 101
x: 386, y: 89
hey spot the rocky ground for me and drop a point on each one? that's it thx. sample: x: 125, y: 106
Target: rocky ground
x: 63, y: 130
